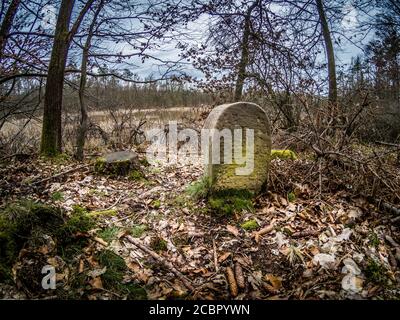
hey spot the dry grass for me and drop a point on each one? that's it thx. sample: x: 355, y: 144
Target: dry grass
x: 23, y: 136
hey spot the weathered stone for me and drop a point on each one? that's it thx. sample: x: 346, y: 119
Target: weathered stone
x: 233, y: 175
x: 117, y: 163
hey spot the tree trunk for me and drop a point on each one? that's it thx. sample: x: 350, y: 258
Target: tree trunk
x: 244, y: 58
x: 83, y: 126
x: 51, y: 129
x: 7, y: 23
x: 51, y: 142
x: 329, y: 53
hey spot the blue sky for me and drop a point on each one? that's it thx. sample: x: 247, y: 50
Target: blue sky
x: 196, y: 32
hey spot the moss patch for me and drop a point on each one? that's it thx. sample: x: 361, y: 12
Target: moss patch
x: 291, y: 197
x: 18, y: 223
x: 283, y: 154
x: 113, y: 277
x: 376, y: 273
x: 136, y: 175
x: 159, y: 244
x: 57, y: 196
x: 199, y: 189
x: 138, y: 230
x: 110, y: 213
x: 231, y: 201
x: 108, y: 234
x: 156, y: 204
x: 250, y: 225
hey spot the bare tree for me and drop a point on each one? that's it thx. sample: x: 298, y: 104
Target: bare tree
x: 7, y: 23
x: 329, y: 52
x: 51, y: 141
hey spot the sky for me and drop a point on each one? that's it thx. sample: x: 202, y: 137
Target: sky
x: 196, y: 32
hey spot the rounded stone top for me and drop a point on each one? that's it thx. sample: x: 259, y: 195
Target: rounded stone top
x: 239, y: 147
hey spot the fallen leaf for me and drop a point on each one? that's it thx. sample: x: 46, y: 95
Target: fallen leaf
x: 233, y: 230
x: 276, y: 282
x: 96, y: 283
x: 223, y: 257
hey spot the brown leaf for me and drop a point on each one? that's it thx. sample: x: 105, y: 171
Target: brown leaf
x: 276, y: 282
x: 233, y: 230
x: 223, y: 257
x: 96, y: 283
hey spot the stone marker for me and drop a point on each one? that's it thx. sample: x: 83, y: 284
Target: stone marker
x: 117, y: 163
x: 243, y: 168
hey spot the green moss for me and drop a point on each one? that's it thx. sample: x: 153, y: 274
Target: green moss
x: 376, y: 273
x: 136, y: 175
x: 109, y: 234
x: 79, y: 222
x: 227, y: 202
x: 156, y: 204
x: 373, y: 239
x: 144, y: 162
x: 138, y: 230
x: 156, y: 171
x: 19, y: 222
x: 110, y: 213
x: 113, y: 277
x: 283, y: 154
x: 57, y: 158
x: 159, y: 244
x: 199, y: 189
x: 291, y: 197
x: 250, y: 225
x: 57, y: 196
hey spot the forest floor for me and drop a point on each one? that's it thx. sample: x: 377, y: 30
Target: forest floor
x: 302, y: 246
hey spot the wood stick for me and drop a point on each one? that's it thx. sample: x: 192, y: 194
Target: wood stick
x: 168, y: 265
x: 60, y: 174
x: 215, y: 256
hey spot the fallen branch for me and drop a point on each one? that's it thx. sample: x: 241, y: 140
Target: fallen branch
x: 168, y: 265
x: 60, y: 174
x: 215, y: 256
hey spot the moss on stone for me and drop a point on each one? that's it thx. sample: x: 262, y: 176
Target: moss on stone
x: 231, y: 201
x: 250, y: 225
x: 114, y: 168
x: 283, y: 154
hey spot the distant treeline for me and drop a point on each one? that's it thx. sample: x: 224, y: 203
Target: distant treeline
x: 105, y: 94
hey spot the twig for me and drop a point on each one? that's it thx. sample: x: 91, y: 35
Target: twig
x: 168, y: 265
x: 60, y: 174
x: 215, y: 256
x: 110, y: 207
